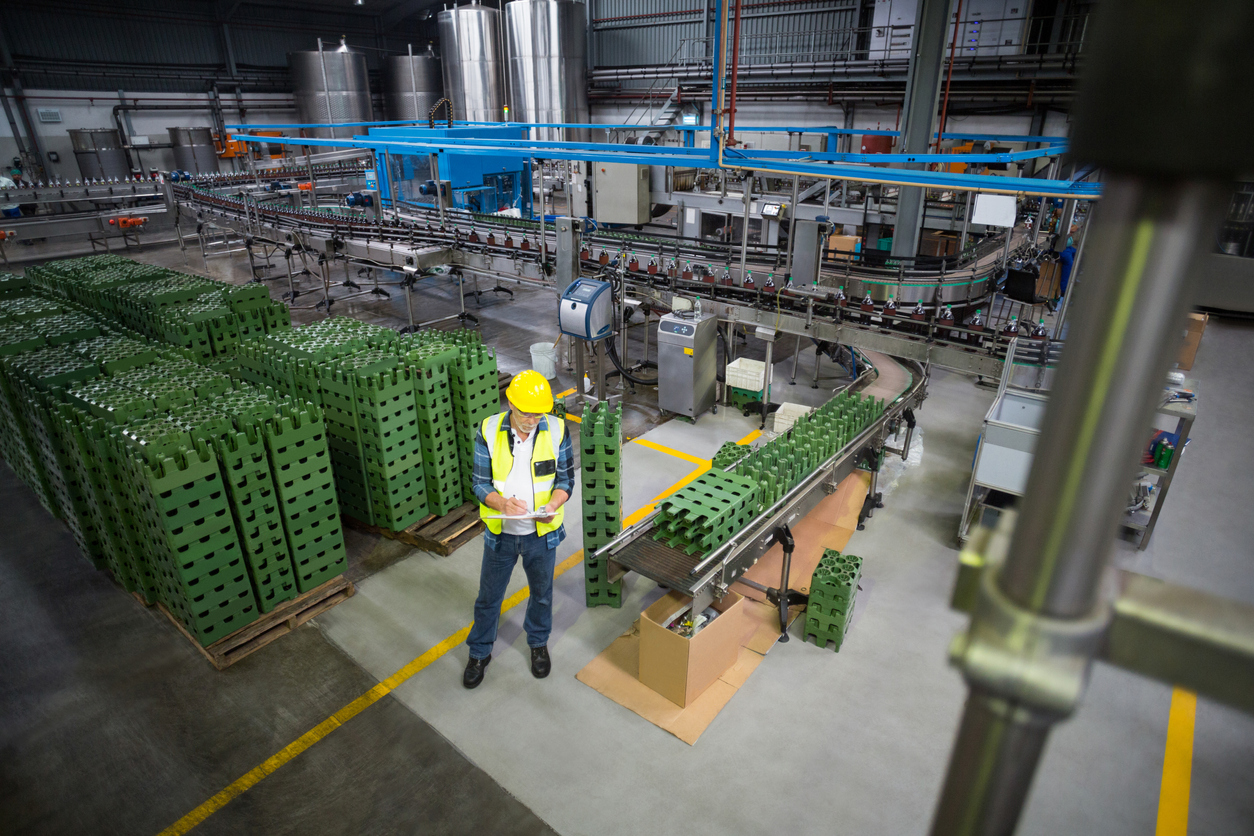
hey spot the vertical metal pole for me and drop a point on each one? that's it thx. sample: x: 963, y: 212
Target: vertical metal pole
x: 796, y: 359
x: 439, y: 186
x: 744, y: 229
x: 1110, y: 378
x: 413, y: 84
x: 1071, y: 281
x: 326, y: 86
x: 387, y: 166
x: 966, y: 225
x: 792, y: 226
x: 770, y: 369
x: 544, y: 239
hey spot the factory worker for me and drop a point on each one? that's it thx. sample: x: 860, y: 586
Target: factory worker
x: 524, y: 469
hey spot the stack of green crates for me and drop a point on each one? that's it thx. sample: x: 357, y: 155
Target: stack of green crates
x: 11, y: 285
x: 705, y: 513
x: 476, y: 395
x: 433, y: 400
x: 833, y: 591
x: 296, y: 439
x: 198, y: 566
x: 192, y: 489
x: 601, y: 490
x: 779, y: 466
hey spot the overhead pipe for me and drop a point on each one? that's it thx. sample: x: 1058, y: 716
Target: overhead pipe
x: 735, y: 70
x: 949, y: 76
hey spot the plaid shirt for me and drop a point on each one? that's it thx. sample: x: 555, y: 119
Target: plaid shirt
x: 481, y: 476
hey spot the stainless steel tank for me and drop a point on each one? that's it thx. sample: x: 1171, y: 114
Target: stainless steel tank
x: 412, y: 84
x: 194, y: 150
x: 546, y: 41
x: 474, y: 80
x: 100, y: 153
x: 331, y: 86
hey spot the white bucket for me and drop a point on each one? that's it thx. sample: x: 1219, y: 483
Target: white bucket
x: 544, y: 359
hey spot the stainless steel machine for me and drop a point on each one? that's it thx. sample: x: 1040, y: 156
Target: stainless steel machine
x: 686, y: 358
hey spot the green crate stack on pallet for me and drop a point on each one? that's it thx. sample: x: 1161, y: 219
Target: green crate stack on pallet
x: 701, y: 516
x: 833, y: 591
x: 12, y: 285
x: 433, y: 399
x: 296, y: 439
x: 601, y: 498
x: 476, y: 395
x: 372, y: 417
x: 193, y: 544
x: 239, y: 438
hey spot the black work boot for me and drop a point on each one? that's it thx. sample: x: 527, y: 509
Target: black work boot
x: 474, y: 672
x: 540, y: 664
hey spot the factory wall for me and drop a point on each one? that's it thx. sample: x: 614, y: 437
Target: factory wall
x: 93, y: 109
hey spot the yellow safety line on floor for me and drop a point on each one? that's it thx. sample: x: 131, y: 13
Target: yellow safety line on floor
x: 670, y: 451
x: 574, y: 418
x: 254, y: 776
x: 1173, y: 797
x: 750, y: 438
x: 569, y: 391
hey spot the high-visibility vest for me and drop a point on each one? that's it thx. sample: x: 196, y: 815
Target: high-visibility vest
x: 548, y: 441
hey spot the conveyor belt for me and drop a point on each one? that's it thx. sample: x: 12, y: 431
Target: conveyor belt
x: 703, y: 575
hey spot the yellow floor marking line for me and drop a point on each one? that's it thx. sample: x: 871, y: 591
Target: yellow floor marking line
x: 569, y: 391
x: 1173, y: 797
x: 574, y: 418
x: 750, y: 438
x: 670, y: 451
x: 254, y: 776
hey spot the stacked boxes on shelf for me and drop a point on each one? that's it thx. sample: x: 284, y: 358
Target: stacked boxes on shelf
x: 704, y: 514
x: 832, y: 592
x: 601, y: 489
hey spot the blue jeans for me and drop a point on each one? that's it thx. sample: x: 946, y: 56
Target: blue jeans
x: 498, y: 566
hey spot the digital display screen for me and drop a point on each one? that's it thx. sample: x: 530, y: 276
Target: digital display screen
x: 771, y: 210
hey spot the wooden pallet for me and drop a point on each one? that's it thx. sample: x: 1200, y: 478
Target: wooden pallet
x: 442, y: 535
x: 280, y: 621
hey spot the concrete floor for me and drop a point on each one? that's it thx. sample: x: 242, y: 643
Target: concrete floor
x: 110, y: 723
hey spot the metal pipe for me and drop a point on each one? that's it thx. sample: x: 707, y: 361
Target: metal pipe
x: 1075, y: 274
x: 966, y: 224
x: 735, y: 60
x: 744, y: 229
x: 326, y: 85
x: 1107, y: 386
x: 949, y: 75
x: 792, y: 239
x: 439, y: 187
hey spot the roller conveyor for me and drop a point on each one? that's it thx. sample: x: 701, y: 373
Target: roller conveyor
x: 707, y: 577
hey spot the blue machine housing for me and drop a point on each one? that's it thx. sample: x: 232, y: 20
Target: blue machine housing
x: 479, y: 183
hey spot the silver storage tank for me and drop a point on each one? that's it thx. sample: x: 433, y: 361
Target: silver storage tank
x: 412, y: 84
x: 100, y: 153
x: 470, y: 43
x: 341, y: 95
x: 194, y: 150
x: 546, y: 43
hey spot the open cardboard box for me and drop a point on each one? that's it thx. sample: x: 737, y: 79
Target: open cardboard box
x: 679, y: 668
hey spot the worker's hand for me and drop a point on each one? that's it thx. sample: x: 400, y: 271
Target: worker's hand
x: 514, y: 507
x: 551, y: 511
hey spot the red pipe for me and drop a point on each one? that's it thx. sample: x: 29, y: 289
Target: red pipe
x: 731, y: 119
x: 953, y: 46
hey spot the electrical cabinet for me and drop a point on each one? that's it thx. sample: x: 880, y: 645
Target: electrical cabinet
x: 620, y: 193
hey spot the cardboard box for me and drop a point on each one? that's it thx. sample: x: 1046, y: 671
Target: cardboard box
x: 1192, y: 339
x: 1049, y: 283
x: 844, y: 243
x: 681, y: 669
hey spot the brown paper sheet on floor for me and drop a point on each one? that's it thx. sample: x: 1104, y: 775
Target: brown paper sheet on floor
x: 615, y: 671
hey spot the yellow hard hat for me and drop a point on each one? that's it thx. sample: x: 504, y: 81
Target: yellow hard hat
x: 530, y: 392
